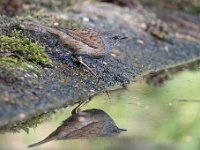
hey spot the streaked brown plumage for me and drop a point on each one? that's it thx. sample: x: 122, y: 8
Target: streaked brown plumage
x: 82, y: 42
x: 84, y: 124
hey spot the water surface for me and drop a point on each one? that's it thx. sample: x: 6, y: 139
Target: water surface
x: 165, y: 117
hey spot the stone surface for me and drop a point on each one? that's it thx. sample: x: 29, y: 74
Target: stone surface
x: 66, y: 82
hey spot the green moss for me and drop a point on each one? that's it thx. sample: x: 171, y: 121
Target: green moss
x: 14, y: 62
x: 29, y: 51
x: 191, y: 6
x: 32, y: 123
x: 26, y: 124
x: 195, y: 8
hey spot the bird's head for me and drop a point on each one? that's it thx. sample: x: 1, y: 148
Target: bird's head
x: 113, y: 39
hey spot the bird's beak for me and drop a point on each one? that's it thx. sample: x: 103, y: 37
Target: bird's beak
x: 124, y: 37
x: 122, y: 129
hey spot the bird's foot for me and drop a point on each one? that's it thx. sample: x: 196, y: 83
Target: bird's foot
x: 80, y: 60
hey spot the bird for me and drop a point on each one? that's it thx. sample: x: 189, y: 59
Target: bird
x: 85, y: 124
x: 82, y: 41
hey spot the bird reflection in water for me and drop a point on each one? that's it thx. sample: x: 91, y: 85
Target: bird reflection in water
x: 84, y: 124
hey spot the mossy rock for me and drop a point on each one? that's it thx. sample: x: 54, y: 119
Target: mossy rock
x: 30, y: 52
x: 14, y: 63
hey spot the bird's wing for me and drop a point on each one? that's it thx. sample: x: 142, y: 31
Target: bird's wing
x: 90, y: 37
x: 91, y: 130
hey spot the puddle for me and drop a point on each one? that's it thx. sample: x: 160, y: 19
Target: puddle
x: 165, y: 117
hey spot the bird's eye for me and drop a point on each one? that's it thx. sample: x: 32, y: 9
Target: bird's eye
x: 115, y: 37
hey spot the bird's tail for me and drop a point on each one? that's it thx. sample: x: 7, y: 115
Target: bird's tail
x: 39, y: 27
x: 48, y: 139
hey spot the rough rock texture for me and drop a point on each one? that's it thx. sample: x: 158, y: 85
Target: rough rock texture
x: 66, y: 82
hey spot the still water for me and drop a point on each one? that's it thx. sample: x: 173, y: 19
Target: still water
x: 156, y: 118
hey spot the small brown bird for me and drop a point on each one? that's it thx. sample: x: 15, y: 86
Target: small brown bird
x: 84, y: 124
x: 82, y: 42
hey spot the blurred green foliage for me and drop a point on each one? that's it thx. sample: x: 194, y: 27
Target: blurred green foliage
x: 192, y: 6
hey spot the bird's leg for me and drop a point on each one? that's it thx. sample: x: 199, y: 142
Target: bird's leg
x: 80, y: 59
x: 108, y: 94
x: 77, y: 109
